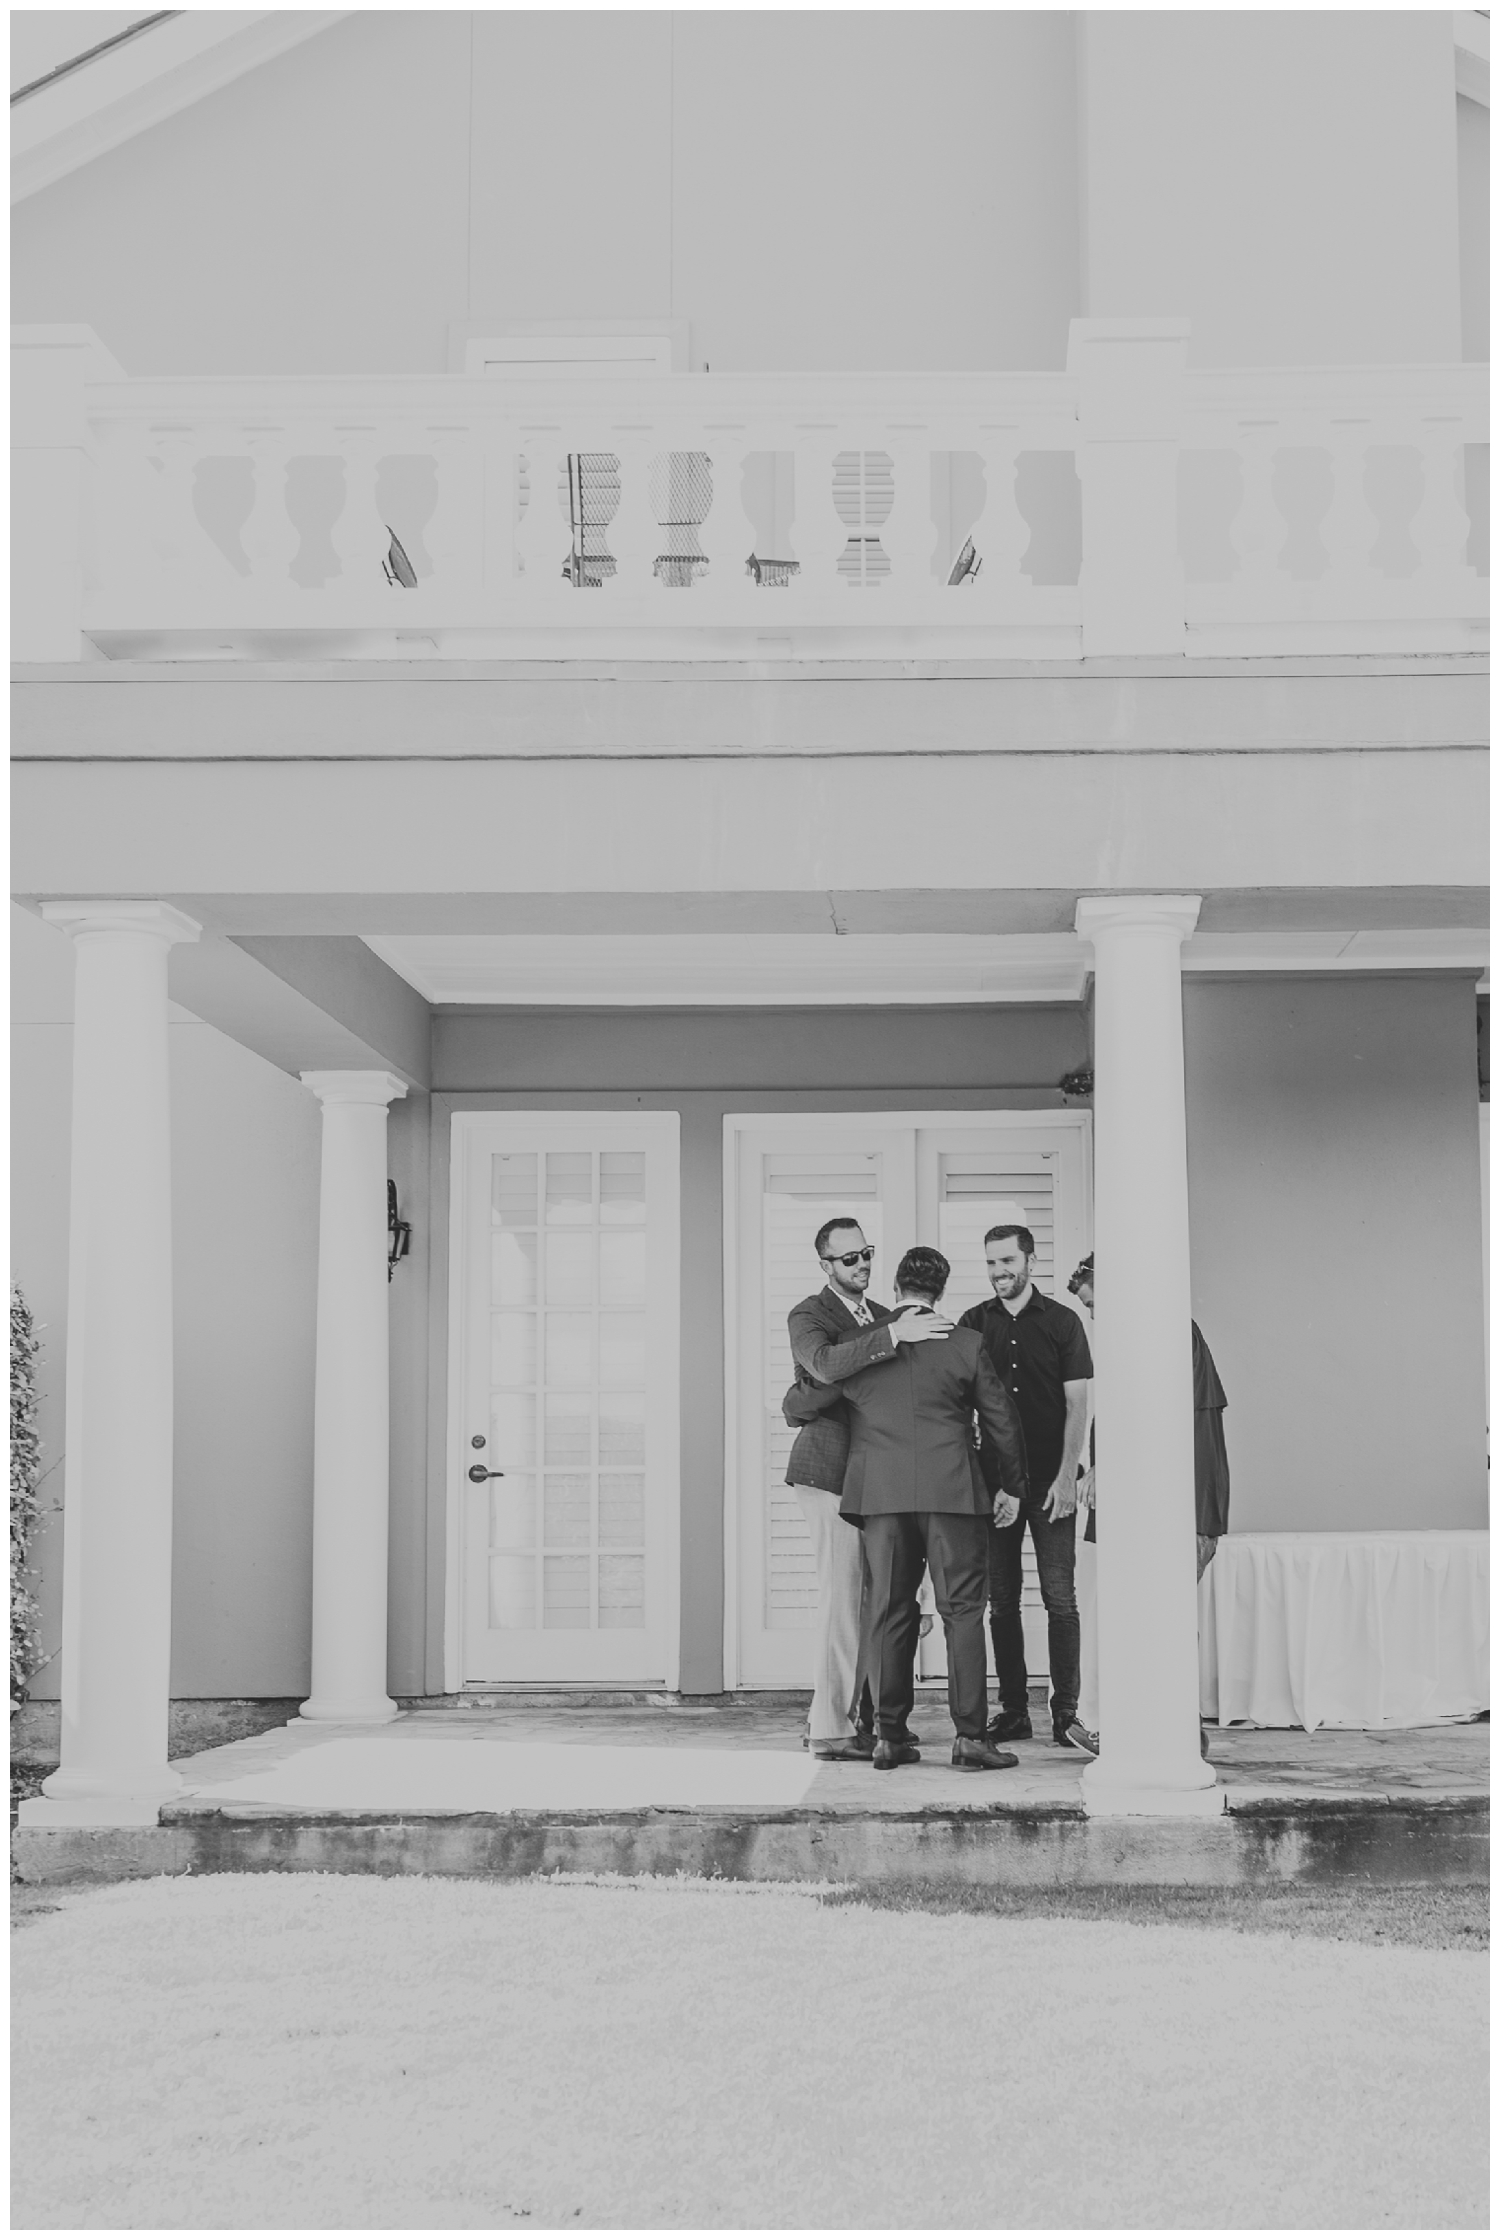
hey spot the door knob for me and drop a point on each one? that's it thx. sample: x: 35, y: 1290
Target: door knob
x: 478, y: 1473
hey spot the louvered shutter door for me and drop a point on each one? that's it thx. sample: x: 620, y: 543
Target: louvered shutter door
x: 801, y: 1192
x: 972, y: 1188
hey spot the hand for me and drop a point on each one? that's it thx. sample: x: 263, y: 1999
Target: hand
x: 1007, y: 1509
x: 1062, y: 1499
x: 914, y: 1325
x: 1086, y: 1490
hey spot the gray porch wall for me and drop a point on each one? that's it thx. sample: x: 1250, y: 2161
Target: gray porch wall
x: 1333, y: 1153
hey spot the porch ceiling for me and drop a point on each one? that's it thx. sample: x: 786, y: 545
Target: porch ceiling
x: 862, y: 968
x: 816, y: 914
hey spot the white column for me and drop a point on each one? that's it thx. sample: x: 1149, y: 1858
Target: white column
x: 117, y: 1505
x: 1149, y: 1760
x: 351, y: 1407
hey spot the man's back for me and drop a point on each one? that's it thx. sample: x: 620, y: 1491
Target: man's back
x: 911, y: 1425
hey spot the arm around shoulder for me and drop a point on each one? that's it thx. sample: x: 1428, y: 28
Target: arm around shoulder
x: 827, y: 1359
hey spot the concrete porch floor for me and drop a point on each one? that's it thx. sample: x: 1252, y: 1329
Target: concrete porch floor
x: 725, y: 1789
x: 747, y: 1756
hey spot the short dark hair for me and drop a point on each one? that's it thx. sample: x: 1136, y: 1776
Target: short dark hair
x: 924, y: 1271
x: 1023, y: 1237
x: 840, y: 1221
x: 1082, y: 1274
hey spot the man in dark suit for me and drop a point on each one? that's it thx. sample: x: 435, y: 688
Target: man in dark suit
x: 833, y: 1333
x: 915, y: 1486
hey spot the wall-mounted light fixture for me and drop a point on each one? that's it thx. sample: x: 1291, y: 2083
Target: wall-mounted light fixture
x: 398, y: 1230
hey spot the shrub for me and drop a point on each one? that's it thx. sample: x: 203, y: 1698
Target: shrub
x: 26, y: 1657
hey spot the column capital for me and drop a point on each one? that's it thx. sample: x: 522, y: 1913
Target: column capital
x: 1100, y: 913
x: 354, y: 1088
x: 157, y: 919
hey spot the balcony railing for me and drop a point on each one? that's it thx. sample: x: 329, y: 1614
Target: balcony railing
x: 1124, y: 507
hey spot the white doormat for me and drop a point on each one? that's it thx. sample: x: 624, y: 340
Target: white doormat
x: 378, y: 1772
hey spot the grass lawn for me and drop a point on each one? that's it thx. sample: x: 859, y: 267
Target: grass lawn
x: 1454, y: 1918
x: 323, y: 2052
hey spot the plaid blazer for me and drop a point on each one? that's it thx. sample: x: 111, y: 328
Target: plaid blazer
x: 827, y: 1345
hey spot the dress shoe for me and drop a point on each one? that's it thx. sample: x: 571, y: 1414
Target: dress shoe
x: 1009, y: 1726
x: 971, y: 1755
x: 889, y: 1755
x: 843, y: 1753
x: 1084, y: 1738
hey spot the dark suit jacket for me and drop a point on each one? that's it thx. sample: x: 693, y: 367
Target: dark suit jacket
x: 827, y: 1344
x: 912, y: 1433
x: 1210, y: 1455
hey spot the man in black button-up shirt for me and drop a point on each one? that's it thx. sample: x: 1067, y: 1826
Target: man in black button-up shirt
x: 1042, y: 1353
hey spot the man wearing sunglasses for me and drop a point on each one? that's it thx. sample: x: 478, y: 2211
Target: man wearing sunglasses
x: 834, y: 1333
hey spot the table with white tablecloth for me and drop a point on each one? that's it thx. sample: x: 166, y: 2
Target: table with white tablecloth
x: 1345, y: 1629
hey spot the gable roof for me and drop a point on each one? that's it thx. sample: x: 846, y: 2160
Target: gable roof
x: 94, y: 101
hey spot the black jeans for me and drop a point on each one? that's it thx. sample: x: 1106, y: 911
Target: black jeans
x: 954, y: 1552
x: 1053, y: 1542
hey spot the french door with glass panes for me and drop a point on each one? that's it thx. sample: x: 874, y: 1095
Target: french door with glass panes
x: 564, y: 1440
x: 907, y: 1178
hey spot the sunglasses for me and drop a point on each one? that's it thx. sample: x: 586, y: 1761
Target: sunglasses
x: 851, y: 1259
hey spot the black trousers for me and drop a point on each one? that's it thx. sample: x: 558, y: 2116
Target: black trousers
x: 1053, y: 1540
x: 955, y: 1552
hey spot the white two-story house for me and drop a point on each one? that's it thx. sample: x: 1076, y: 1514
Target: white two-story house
x: 647, y: 627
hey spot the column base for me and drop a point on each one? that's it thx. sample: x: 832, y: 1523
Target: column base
x: 354, y: 1711
x: 99, y: 1810
x: 1106, y: 1800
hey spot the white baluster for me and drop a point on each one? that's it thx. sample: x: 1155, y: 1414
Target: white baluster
x: 541, y: 536
x: 172, y: 533
x: 725, y: 535
x: 269, y: 539
x: 498, y: 577
x: 775, y: 600
x: 818, y: 535
x: 359, y: 535
x: 908, y: 534
x: 1258, y: 530
x: 635, y: 536
x: 1440, y: 528
x: 1349, y: 528
x: 1002, y: 533
x: 455, y: 535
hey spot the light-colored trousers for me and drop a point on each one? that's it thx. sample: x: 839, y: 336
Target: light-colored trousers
x: 841, y: 1577
x: 1086, y: 1587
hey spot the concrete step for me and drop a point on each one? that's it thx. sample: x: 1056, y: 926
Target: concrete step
x: 1268, y: 1842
